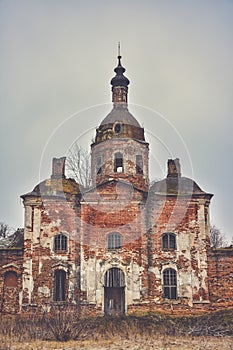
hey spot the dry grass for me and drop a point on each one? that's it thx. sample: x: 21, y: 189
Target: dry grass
x: 65, y: 330
x: 142, y: 343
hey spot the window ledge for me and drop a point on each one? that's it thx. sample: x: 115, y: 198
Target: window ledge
x: 169, y: 249
x: 115, y: 250
x: 56, y: 302
x: 201, y: 301
x: 171, y: 301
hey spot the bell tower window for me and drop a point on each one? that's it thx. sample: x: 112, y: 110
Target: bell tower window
x: 99, y: 168
x: 118, y: 163
x: 139, y: 164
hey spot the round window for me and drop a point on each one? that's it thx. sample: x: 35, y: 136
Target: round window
x: 117, y: 128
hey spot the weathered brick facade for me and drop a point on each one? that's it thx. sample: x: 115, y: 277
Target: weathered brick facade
x: 120, y: 246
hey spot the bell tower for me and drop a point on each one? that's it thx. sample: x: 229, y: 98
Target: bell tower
x: 120, y: 150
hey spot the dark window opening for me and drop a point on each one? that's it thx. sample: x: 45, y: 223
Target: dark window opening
x: 139, y: 164
x: 114, y: 241
x: 170, y: 284
x: 117, y: 128
x: 59, y: 285
x: 32, y: 219
x: 169, y: 241
x: 60, y: 243
x: 118, y: 163
x: 114, y: 277
x: 99, y: 168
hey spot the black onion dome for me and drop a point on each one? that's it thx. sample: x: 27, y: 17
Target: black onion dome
x: 119, y: 79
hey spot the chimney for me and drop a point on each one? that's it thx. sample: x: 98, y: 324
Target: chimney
x: 173, y: 167
x: 58, y: 168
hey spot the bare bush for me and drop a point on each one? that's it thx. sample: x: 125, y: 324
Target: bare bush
x: 65, y: 324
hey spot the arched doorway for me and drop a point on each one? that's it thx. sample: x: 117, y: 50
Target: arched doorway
x: 114, y: 292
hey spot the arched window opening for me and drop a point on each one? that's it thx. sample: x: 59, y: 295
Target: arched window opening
x: 59, y: 285
x: 118, y: 163
x: 114, y: 277
x: 139, y: 164
x: 60, y: 243
x: 114, y: 241
x: 99, y: 167
x: 170, y: 284
x: 169, y: 241
x: 117, y: 128
x: 10, y: 279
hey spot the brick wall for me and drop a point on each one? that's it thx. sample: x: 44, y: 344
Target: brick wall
x: 220, y: 270
x: 11, y: 262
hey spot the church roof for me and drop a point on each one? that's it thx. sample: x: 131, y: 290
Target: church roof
x: 54, y: 187
x: 119, y: 123
x: 115, y: 182
x: 177, y: 185
x: 122, y: 115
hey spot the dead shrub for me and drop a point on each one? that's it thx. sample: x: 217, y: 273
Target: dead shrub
x: 64, y: 324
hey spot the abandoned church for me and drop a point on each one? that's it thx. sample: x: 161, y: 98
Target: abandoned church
x: 120, y: 246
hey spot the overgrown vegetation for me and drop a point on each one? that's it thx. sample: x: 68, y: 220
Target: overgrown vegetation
x: 66, y: 325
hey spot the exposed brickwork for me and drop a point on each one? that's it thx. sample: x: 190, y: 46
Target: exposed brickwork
x: 11, y: 260
x: 220, y: 271
x: 121, y: 246
x: 106, y: 150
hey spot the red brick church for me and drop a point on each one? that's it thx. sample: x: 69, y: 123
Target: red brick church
x: 121, y: 245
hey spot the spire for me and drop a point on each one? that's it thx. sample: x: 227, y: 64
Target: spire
x: 119, y: 83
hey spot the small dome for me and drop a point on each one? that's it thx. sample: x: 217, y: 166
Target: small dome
x: 179, y: 185
x: 119, y: 123
x: 121, y: 115
x: 54, y: 187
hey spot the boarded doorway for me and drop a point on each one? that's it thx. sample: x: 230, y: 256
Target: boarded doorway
x: 10, y: 293
x: 114, y: 292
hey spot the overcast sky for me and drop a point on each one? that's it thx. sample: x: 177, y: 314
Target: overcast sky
x: 57, y: 59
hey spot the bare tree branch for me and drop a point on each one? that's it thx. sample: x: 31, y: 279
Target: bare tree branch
x: 78, y: 165
x: 5, y: 230
x: 217, y: 239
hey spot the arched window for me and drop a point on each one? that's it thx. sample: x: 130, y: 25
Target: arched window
x: 169, y: 241
x: 114, y: 240
x: 117, y: 128
x: 59, y: 285
x: 99, y: 166
x: 139, y: 164
x: 114, y: 277
x: 60, y: 243
x: 118, y: 163
x: 10, y: 279
x: 170, y: 284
